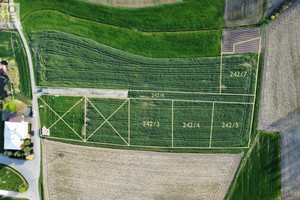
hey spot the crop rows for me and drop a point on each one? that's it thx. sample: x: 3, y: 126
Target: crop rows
x: 67, y: 60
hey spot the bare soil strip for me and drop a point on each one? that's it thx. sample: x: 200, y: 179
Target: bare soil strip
x: 133, y: 3
x: 236, y: 36
x: 87, y: 92
x: 280, y: 99
x: 97, y: 173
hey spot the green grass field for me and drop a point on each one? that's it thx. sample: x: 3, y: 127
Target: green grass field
x: 188, y: 15
x: 163, y: 44
x: 75, y: 118
x: 62, y: 58
x: 148, y: 122
x: 11, y: 179
x: 260, y: 177
x: 11, y: 47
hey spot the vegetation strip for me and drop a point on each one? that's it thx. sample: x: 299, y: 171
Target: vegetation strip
x: 188, y: 15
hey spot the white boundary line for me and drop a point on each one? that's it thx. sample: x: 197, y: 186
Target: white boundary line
x: 61, y: 118
x: 66, y: 113
x: 179, y: 92
x: 225, y: 102
x: 211, y: 124
x: 129, y: 122
x: 106, y: 121
x: 162, y: 147
x: 172, y: 123
x: 255, y: 90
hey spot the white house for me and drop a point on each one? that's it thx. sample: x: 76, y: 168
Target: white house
x: 14, y: 135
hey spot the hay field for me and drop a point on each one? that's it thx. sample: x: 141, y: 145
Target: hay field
x: 280, y: 101
x: 95, y: 173
x: 133, y: 3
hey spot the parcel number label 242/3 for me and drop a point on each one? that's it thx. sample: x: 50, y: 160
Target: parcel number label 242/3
x: 151, y: 124
x: 230, y: 125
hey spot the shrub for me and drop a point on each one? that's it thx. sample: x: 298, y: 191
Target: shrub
x: 27, y: 142
x: 9, y: 153
x: 273, y: 17
x: 27, y: 149
x: 22, y: 189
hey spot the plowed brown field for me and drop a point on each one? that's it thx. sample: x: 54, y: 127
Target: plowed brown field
x: 97, y: 173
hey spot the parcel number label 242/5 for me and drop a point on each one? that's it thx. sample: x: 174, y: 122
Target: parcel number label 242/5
x: 230, y: 125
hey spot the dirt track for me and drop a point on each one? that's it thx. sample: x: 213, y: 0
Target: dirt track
x: 96, y: 173
x: 280, y: 101
x: 133, y: 3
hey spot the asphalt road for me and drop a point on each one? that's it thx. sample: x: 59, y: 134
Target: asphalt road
x: 30, y: 169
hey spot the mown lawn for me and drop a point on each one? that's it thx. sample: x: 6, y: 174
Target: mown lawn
x: 260, y: 177
x: 11, y: 179
x: 188, y: 15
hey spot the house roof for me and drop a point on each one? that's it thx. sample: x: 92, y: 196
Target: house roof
x: 16, y: 118
x: 14, y: 134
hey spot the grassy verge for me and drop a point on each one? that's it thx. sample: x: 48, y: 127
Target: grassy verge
x: 11, y: 179
x: 41, y: 183
x: 174, y: 44
x: 260, y: 177
x: 188, y: 15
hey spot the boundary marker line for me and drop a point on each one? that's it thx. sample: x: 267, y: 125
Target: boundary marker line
x: 172, y: 123
x: 162, y: 147
x: 61, y: 118
x: 129, y: 122
x: 211, y: 124
x: 180, y: 92
x: 66, y: 113
x: 255, y: 90
x: 106, y: 120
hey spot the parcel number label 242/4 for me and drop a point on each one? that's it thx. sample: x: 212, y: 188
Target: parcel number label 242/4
x: 230, y: 125
x: 191, y: 125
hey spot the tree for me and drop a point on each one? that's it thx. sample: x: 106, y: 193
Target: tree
x: 21, y: 107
